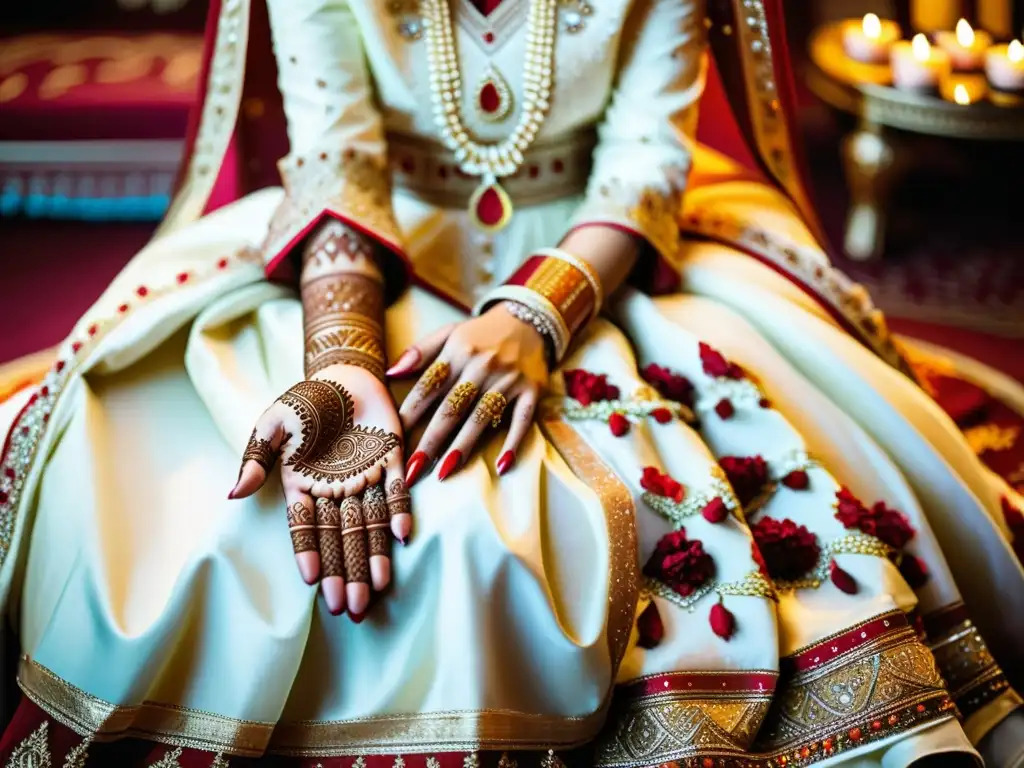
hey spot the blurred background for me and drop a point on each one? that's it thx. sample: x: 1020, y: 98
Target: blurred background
x: 921, y: 194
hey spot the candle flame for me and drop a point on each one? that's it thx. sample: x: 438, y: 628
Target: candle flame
x: 872, y: 26
x: 920, y: 47
x: 1015, y: 52
x: 960, y: 95
x: 964, y: 33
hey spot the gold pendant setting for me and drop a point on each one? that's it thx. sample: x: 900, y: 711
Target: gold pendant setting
x: 490, y: 207
x: 493, y: 97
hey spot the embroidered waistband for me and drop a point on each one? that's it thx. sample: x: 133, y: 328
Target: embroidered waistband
x: 552, y: 169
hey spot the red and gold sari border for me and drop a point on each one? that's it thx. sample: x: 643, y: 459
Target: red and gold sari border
x: 873, y: 681
x: 887, y: 627
x: 700, y: 683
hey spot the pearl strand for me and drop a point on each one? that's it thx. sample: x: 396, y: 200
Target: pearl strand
x: 490, y: 160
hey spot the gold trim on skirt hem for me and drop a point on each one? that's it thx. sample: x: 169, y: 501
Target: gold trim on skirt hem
x: 459, y: 731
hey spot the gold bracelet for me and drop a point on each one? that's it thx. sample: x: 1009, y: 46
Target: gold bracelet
x: 584, y: 267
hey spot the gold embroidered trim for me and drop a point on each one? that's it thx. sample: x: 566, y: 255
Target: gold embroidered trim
x: 883, y: 687
x: 972, y: 675
x: 217, y: 120
x: 620, y: 516
x: 351, y: 184
x: 638, y: 407
x: 656, y: 730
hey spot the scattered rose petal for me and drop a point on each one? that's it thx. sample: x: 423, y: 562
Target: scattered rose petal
x: 650, y: 627
x: 725, y: 409
x: 586, y: 387
x: 913, y: 570
x: 723, y: 623
x: 748, y: 476
x: 843, y: 580
x: 714, y: 364
x: 888, y: 525
x: 669, y: 384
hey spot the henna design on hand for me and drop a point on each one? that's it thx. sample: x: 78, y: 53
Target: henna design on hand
x: 353, y: 539
x: 375, y: 514
x: 260, y: 451
x: 332, y: 448
x: 328, y: 528
x: 335, y: 240
x: 302, y: 527
x: 399, y: 502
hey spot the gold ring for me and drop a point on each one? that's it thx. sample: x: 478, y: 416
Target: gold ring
x: 459, y: 398
x: 490, y: 408
x: 432, y: 378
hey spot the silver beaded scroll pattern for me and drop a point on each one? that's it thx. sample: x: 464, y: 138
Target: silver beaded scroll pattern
x: 409, y: 23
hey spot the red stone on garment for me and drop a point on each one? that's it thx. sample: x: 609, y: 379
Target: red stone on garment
x: 490, y: 207
x: 797, y: 480
x: 662, y: 415
x: 618, y: 424
x: 715, y: 510
x: 843, y: 580
x: 723, y: 623
x: 490, y: 99
x: 725, y: 409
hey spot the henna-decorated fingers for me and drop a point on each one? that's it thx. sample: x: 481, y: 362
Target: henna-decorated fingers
x: 260, y: 454
x: 522, y: 417
x: 332, y: 572
x: 378, y: 537
x: 399, y: 504
x: 356, y: 559
x: 302, y: 528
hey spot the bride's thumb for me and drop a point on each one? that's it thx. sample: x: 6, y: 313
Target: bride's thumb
x: 259, y: 457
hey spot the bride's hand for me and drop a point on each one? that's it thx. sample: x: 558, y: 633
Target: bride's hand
x: 340, y: 441
x: 477, y: 366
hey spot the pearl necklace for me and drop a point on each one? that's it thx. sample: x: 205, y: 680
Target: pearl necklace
x: 489, y: 207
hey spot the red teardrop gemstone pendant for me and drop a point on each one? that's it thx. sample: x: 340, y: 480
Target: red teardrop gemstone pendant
x: 490, y: 99
x: 490, y: 208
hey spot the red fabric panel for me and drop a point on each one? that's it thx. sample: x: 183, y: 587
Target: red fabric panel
x: 486, y: 7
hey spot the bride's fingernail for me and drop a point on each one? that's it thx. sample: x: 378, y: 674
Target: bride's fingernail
x: 414, y: 467
x: 449, y: 465
x: 231, y: 493
x: 405, y: 361
x: 504, y: 464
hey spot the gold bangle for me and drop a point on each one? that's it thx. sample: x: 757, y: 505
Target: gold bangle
x: 584, y: 267
x: 539, y: 304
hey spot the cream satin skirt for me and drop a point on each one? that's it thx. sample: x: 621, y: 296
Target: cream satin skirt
x: 148, y: 604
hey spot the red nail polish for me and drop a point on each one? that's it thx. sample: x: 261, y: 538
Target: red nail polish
x: 451, y: 462
x: 357, y: 618
x: 414, y: 467
x: 505, y: 462
x: 231, y: 494
x: 405, y: 361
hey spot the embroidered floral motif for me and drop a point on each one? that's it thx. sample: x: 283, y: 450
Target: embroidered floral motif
x: 669, y: 384
x: 888, y: 525
x: 551, y: 760
x: 33, y: 751
x: 219, y: 761
x: 505, y: 761
x: 586, y: 387
x: 789, y: 550
x: 679, y: 563
x: 433, y: 762
x: 399, y: 762
x: 748, y: 476
x: 169, y: 760
x: 716, y: 366
x: 714, y: 503
x: 471, y: 761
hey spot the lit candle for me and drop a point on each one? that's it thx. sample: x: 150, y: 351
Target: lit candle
x: 1004, y: 67
x: 966, y: 47
x: 918, y: 66
x: 870, y: 39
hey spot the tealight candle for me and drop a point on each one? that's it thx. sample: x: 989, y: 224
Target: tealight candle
x: 966, y: 47
x: 870, y: 39
x: 917, y: 65
x: 1004, y: 67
